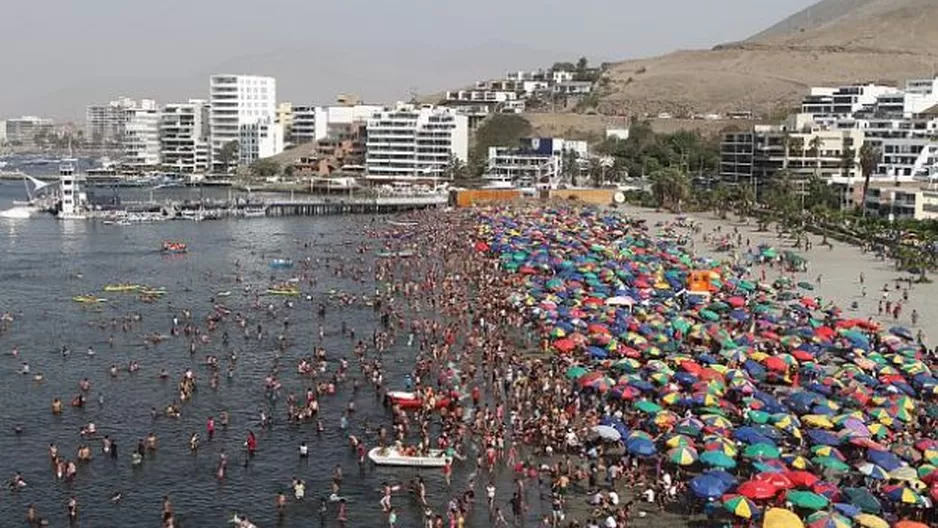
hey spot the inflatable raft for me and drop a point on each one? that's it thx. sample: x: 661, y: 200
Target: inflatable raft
x: 411, y: 401
x: 281, y: 263
x: 122, y: 287
x: 88, y: 299
x: 175, y: 247
x: 392, y: 457
x: 402, y: 253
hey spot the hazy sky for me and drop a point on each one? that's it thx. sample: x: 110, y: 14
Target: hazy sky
x: 58, y: 56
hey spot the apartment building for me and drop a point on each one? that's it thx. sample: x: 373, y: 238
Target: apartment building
x: 104, y: 123
x: 23, y: 130
x: 140, y: 142
x: 244, y: 108
x: 408, y: 141
x: 536, y: 162
x: 315, y: 123
x: 184, y: 137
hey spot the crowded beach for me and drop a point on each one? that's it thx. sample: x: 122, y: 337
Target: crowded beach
x: 571, y: 367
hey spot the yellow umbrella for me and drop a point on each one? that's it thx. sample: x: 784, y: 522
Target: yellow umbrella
x: 818, y: 420
x: 779, y: 518
x: 870, y: 521
x: 905, y: 473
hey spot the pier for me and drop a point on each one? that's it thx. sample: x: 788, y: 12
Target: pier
x: 277, y: 206
x: 316, y: 205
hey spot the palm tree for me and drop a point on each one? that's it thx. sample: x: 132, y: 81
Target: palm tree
x: 869, y: 160
x: 670, y: 187
x: 797, y: 145
x: 816, y: 143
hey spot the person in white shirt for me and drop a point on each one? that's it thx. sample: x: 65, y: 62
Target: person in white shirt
x: 613, y: 498
x: 610, y: 522
x: 649, y: 495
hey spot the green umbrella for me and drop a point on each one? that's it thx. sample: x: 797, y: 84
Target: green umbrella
x: 647, y: 406
x: 807, y: 500
x: 759, y: 417
x: 576, y: 372
x: 717, y: 459
x: 770, y: 252
x: 830, y: 463
x: 761, y: 451
x: 709, y: 315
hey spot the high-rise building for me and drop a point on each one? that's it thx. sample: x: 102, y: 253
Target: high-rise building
x: 239, y: 101
x: 24, y: 130
x: 141, y: 139
x: 104, y: 123
x: 184, y: 135
x: 285, y: 118
x: 412, y: 142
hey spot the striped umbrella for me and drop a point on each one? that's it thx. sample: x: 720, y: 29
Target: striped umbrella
x: 740, y: 506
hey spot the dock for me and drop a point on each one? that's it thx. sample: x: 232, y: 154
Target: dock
x: 286, y: 206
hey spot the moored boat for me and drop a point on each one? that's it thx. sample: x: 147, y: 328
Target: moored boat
x: 390, y: 456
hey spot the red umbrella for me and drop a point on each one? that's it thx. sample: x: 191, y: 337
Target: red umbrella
x: 691, y: 367
x: 827, y: 489
x: 779, y: 480
x: 808, y: 302
x: 825, y: 332
x: 757, y: 489
x: 804, y: 479
x: 564, y: 345
x: 481, y: 246
x: 597, y: 329
x: 775, y: 363
x: 802, y: 355
x: 736, y: 302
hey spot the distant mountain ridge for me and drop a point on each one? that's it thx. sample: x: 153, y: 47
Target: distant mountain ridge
x: 833, y: 42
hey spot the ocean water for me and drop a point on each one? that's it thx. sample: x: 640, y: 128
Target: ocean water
x: 44, y: 263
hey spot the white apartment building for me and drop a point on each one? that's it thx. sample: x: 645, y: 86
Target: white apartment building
x: 259, y: 139
x: 313, y: 123
x: 140, y: 143
x: 22, y: 130
x: 104, y: 123
x: 239, y: 101
x: 537, y: 162
x: 480, y: 96
x: 184, y: 136
x: 411, y: 142
x: 843, y: 101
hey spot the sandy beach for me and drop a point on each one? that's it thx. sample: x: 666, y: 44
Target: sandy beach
x: 839, y: 268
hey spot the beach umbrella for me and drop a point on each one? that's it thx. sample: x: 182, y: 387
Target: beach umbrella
x: 863, y: 499
x: 682, y: 456
x: 679, y: 440
x: 740, y: 506
x: 828, y: 520
x: 640, y: 446
x: 781, y: 518
x: 904, y: 495
x: 717, y: 459
x: 831, y: 463
x: 608, y: 433
x: 806, y: 499
x: 910, y: 524
x: 576, y: 372
x: 884, y: 459
x: 870, y: 521
x: 757, y: 489
x: 802, y: 478
x: 873, y: 471
x: 648, y: 407
x: 761, y: 450
x: 707, y: 486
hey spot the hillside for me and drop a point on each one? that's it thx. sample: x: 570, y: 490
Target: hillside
x: 833, y: 42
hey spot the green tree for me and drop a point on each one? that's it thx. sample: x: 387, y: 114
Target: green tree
x: 570, y: 167
x: 670, y: 187
x: 869, y: 161
x: 228, y: 153
x: 815, y: 144
x: 847, y: 161
x: 264, y: 168
x: 500, y: 130
x: 289, y: 170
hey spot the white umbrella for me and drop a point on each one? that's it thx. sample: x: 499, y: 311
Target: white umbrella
x: 620, y: 301
x: 607, y: 433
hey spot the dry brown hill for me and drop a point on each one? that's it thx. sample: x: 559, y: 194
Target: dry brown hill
x: 831, y: 43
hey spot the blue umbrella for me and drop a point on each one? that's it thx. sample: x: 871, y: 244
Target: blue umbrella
x: 723, y: 476
x: 640, y: 446
x: 884, y: 459
x: 597, y: 353
x: 904, y: 333
x: 708, y: 487
x: 847, y: 509
x: 822, y: 437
